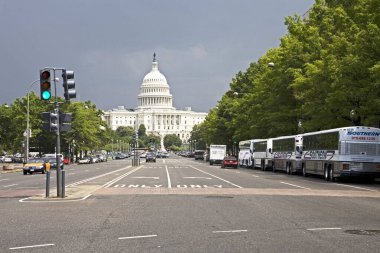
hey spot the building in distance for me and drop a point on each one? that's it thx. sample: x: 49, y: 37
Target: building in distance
x: 155, y: 110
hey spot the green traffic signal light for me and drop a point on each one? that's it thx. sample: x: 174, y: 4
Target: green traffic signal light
x: 45, y: 84
x: 46, y: 95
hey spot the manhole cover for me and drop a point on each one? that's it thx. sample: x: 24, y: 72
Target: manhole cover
x: 363, y: 232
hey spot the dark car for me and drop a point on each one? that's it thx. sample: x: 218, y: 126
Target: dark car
x: 150, y: 157
x: 230, y: 161
x: 53, y: 162
x: 199, y: 154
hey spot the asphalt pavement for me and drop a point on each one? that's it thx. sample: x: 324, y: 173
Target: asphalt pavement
x: 181, y: 205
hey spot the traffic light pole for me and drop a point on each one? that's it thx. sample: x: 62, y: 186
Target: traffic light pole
x: 58, y: 144
x: 69, y: 87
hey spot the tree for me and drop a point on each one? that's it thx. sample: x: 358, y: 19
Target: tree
x: 326, y: 67
x: 172, y: 140
x: 142, y: 131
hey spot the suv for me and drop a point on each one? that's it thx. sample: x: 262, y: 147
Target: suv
x: 150, y: 157
x: 198, y: 154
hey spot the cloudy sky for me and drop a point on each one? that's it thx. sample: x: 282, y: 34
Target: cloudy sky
x: 200, y: 45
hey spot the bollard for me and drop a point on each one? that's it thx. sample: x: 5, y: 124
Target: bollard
x: 47, y: 184
x: 63, y: 184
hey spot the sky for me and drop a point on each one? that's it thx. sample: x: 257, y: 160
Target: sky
x: 109, y: 44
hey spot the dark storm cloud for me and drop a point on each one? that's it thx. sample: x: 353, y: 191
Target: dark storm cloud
x: 200, y: 45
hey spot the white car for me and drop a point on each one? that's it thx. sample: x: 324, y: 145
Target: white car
x: 143, y: 155
x: 85, y: 160
x: 7, y: 159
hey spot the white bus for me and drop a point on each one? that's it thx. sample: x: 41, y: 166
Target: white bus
x: 261, y: 153
x: 347, y: 151
x: 286, y: 154
x: 245, y: 153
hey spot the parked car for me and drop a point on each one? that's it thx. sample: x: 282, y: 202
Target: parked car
x: 150, y: 157
x: 36, y: 165
x: 84, y: 160
x: 143, y: 155
x: 7, y: 159
x: 94, y: 159
x: 102, y: 158
x: 66, y: 160
x: 120, y: 156
x: 230, y: 161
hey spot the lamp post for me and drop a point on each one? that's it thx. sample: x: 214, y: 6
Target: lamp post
x: 27, y: 122
x: 352, y: 116
x: 27, y: 131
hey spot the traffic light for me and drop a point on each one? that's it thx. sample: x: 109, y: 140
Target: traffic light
x: 45, y: 84
x: 69, y: 84
x: 50, y: 121
x: 65, y: 121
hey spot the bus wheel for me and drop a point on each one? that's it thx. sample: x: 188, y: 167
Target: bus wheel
x: 331, y: 175
x: 327, y: 174
x: 304, y: 170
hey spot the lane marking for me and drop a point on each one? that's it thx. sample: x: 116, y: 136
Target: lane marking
x: 108, y: 184
x: 148, y: 177
x: 231, y: 231
x: 4, y: 179
x: 254, y: 176
x: 33, y: 246
x: 167, y: 174
x: 199, y: 178
x: 136, y: 237
x: 101, y: 175
x: 319, y: 229
x: 9, y: 185
x: 296, y: 186
x: 356, y: 187
x: 238, y: 186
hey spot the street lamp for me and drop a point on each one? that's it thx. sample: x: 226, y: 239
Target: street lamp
x: 27, y: 131
x: 352, y: 116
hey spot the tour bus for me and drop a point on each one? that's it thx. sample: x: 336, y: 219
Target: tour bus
x: 286, y: 153
x: 245, y: 153
x: 261, y: 153
x: 347, y: 151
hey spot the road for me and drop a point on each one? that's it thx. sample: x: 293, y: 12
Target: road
x: 182, y: 205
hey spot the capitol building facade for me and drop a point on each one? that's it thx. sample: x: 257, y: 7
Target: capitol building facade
x: 155, y: 110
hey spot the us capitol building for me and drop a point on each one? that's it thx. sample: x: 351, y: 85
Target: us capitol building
x: 155, y: 110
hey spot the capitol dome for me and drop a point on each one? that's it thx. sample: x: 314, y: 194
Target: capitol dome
x: 154, y: 90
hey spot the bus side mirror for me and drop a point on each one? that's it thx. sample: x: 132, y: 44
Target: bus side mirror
x: 270, y: 150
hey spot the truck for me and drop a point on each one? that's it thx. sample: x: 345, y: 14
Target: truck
x: 217, y: 153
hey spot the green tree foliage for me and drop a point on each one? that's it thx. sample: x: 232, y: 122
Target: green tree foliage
x: 326, y: 67
x: 172, y: 141
x: 198, y: 137
x: 87, y: 126
x: 125, y: 131
x: 142, y: 130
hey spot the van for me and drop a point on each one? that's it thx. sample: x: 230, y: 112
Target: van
x: 53, y: 156
x: 198, y: 154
